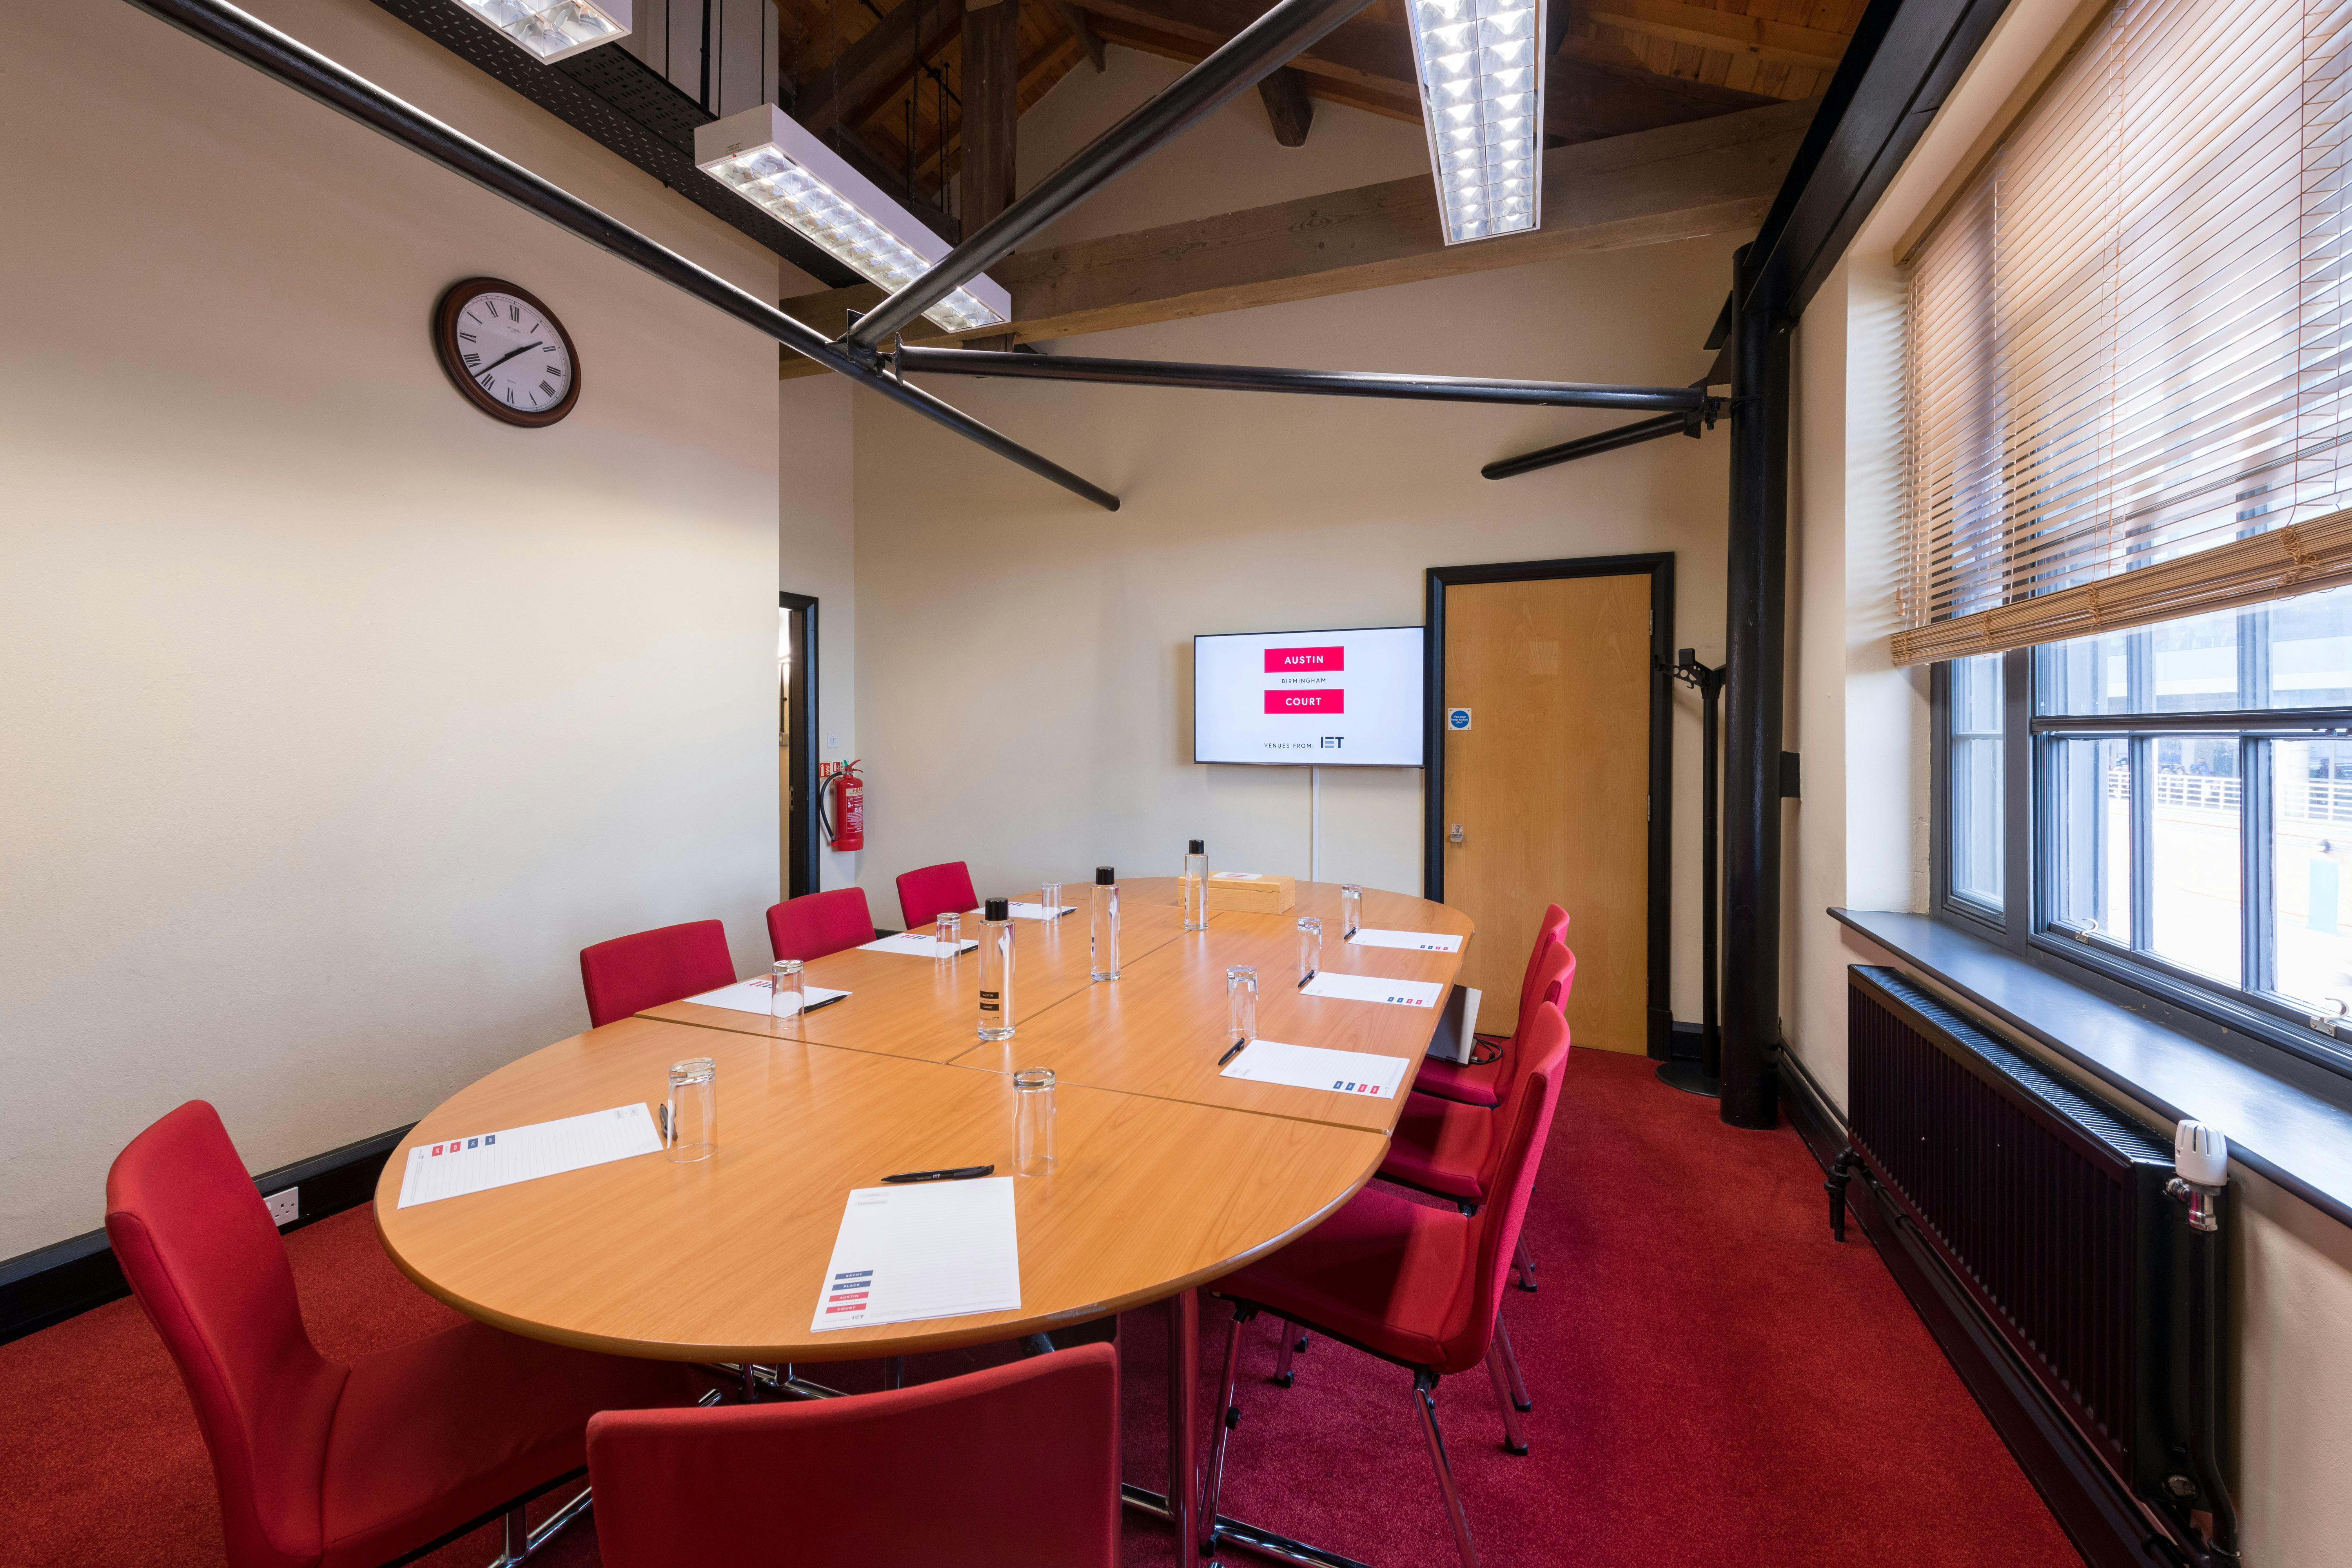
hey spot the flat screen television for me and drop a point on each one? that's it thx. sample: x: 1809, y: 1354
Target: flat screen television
x: 1351, y: 698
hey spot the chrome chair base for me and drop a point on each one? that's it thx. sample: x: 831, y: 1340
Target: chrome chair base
x: 1228, y: 1532
x: 522, y: 1543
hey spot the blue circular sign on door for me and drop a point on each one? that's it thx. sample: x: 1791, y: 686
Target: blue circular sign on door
x: 1457, y: 718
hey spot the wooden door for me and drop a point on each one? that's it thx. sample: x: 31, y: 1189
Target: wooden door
x: 1549, y: 789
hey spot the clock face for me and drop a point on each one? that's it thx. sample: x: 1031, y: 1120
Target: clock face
x: 506, y: 352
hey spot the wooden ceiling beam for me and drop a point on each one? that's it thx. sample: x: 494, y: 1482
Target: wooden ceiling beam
x: 1081, y: 27
x: 1757, y: 37
x: 876, y: 67
x: 1710, y: 176
x: 1287, y: 108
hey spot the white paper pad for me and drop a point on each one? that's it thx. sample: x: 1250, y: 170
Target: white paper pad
x: 753, y: 997
x: 1372, y: 988
x: 1417, y: 940
x: 477, y: 1163
x: 1021, y: 911
x: 930, y: 1249
x: 913, y: 946
x: 1312, y: 1067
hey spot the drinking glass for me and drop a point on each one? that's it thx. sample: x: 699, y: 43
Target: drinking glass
x: 1351, y: 910
x: 1032, y: 1121
x: 1310, y: 948
x: 950, y: 933
x: 1240, y: 1003
x: 789, y: 999
x: 1050, y: 895
x: 693, y: 1111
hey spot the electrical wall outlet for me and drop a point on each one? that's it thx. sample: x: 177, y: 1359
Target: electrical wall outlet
x: 285, y: 1207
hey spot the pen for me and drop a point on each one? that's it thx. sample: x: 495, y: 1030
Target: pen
x: 826, y: 1002
x: 958, y: 1175
x: 1308, y: 976
x: 1231, y: 1051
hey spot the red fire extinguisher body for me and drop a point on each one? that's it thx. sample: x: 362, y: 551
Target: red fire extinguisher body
x: 847, y: 829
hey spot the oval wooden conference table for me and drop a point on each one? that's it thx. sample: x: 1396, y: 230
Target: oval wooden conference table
x: 1167, y: 1175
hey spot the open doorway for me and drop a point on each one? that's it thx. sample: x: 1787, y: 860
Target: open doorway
x: 796, y: 742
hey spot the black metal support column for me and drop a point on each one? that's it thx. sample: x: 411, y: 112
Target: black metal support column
x: 1756, y: 632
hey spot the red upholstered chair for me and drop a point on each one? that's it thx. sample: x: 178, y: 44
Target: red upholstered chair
x: 1482, y: 1083
x: 1451, y: 1150
x: 1003, y: 1469
x: 630, y: 973
x: 1417, y: 1286
x: 817, y: 923
x: 322, y: 1464
x: 927, y: 893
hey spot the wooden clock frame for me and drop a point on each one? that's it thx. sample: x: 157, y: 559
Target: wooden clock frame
x: 454, y: 299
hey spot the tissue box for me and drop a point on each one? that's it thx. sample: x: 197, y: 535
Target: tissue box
x: 1250, y: 893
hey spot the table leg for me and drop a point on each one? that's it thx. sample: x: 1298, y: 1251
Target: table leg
x: 1183, y: 1394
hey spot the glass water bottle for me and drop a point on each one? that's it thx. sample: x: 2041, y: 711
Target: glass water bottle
x: 996, y: 971
x: 1193, y: 887
x: 1103, y: 924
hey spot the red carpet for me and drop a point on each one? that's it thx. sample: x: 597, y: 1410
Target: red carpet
x: 1715, y: 1382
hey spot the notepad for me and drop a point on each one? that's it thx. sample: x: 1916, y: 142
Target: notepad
x: 1417, y: 940
x: 936, y: 1250
x: 754, y: 995
x: 1312, y: 1067
x: 913, y: 946
x: 1021, y: 911
x: 479, y: 1162
x: 1372, y: 988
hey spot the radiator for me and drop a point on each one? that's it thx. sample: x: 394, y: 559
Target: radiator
x: 2048, y: 1208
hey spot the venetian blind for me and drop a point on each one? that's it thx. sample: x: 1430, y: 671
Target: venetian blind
x: 2127, y: 337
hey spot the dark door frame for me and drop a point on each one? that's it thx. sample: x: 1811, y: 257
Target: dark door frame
x: 1660, y: 569
x: 806, y: 841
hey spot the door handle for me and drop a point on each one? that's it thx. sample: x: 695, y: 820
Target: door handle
x: 1455, y: 836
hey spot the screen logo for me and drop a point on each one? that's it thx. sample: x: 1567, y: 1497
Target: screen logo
x: 1331, y: 699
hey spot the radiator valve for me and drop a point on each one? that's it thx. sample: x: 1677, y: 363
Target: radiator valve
x: 2200, y: 1163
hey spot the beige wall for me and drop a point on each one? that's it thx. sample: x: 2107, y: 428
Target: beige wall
x: 1024, y: 658
x: 339, y: 717
x: 1859, y: 838
x: 817, y: 555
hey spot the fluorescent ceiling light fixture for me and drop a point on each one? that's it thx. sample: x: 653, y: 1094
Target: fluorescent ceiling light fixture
x: 554, y: 31
x: 771, y: 161
x: 1481, y: 67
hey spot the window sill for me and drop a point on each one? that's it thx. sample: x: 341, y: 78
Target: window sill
x: 2289, y: 1133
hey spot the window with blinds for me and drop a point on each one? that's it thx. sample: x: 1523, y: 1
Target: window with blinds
x: 2127, y: 336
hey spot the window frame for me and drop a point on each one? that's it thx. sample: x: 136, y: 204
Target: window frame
x: 2025, y: 924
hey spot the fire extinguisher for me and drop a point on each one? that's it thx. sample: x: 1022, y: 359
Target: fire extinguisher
x: 847, y: 792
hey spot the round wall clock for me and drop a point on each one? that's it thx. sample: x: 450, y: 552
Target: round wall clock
x: 506, y: 352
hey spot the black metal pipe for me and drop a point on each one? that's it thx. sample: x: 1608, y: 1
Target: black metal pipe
x: 1238, y: 65
x: 1710, y: 881
x: 312, y: 74
x: 1632, y: 435
x: 1756, y: 580
x: 922, y: 360
x: 2209, y: 1296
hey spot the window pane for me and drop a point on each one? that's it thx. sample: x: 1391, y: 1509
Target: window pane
x: 2089, y: 675
x: 2193, y: 858
x: 2090, y: 843
x: 2311, y: 650
x: 1976, y: 778
x: 2312, y: 914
